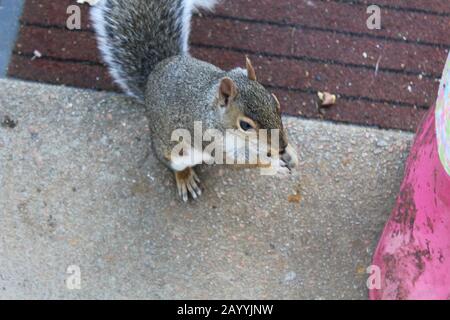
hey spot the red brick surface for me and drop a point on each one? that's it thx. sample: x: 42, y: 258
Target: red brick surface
x: 385, y: 78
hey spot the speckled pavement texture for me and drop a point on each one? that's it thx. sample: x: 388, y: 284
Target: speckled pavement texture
x: 80, y: 186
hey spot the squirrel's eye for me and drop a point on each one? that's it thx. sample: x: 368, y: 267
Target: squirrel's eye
x: 245, y: 125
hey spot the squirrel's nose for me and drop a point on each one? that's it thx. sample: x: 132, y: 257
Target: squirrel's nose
x: 289, y: 156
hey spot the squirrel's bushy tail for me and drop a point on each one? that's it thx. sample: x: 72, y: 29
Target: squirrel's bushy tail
x: 135, y: 35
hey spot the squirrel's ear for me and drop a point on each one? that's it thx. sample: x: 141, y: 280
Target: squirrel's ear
x: 227, y: 91
x: 278, y: 102
x: 250, y: 70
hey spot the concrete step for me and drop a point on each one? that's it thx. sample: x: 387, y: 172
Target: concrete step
x: 80, y: 188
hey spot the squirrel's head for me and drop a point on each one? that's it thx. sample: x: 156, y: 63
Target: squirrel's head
x: 249, y: 108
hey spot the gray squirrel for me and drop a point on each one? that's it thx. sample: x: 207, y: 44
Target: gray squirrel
x: 145, y: 46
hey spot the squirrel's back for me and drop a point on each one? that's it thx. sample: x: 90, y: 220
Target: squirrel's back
x: 135, y: 35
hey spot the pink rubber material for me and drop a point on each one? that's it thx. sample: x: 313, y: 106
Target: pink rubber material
x: 414, y: 250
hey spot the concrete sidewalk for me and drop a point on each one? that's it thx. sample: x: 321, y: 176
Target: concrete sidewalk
x: 80, y: 186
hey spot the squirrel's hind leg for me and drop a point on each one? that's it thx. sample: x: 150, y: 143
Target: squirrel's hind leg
x: 187, y: 182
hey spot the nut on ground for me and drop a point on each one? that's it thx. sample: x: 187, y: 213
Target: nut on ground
x: 326, y: 99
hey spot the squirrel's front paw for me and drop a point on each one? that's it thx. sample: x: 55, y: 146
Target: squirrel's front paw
x: 187, y: 182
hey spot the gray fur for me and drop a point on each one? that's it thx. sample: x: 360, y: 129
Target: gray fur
x: 144, y: 43
x: 138, y: 35
x: 182, y: 90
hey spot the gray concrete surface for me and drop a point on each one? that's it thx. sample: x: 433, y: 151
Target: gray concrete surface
x: 10, y: 11
x: 79, y: 186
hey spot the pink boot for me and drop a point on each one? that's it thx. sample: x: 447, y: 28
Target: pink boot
x: 414, y: 250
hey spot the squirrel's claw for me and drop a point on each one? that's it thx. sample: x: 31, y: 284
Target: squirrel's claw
x: 187, y: 183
